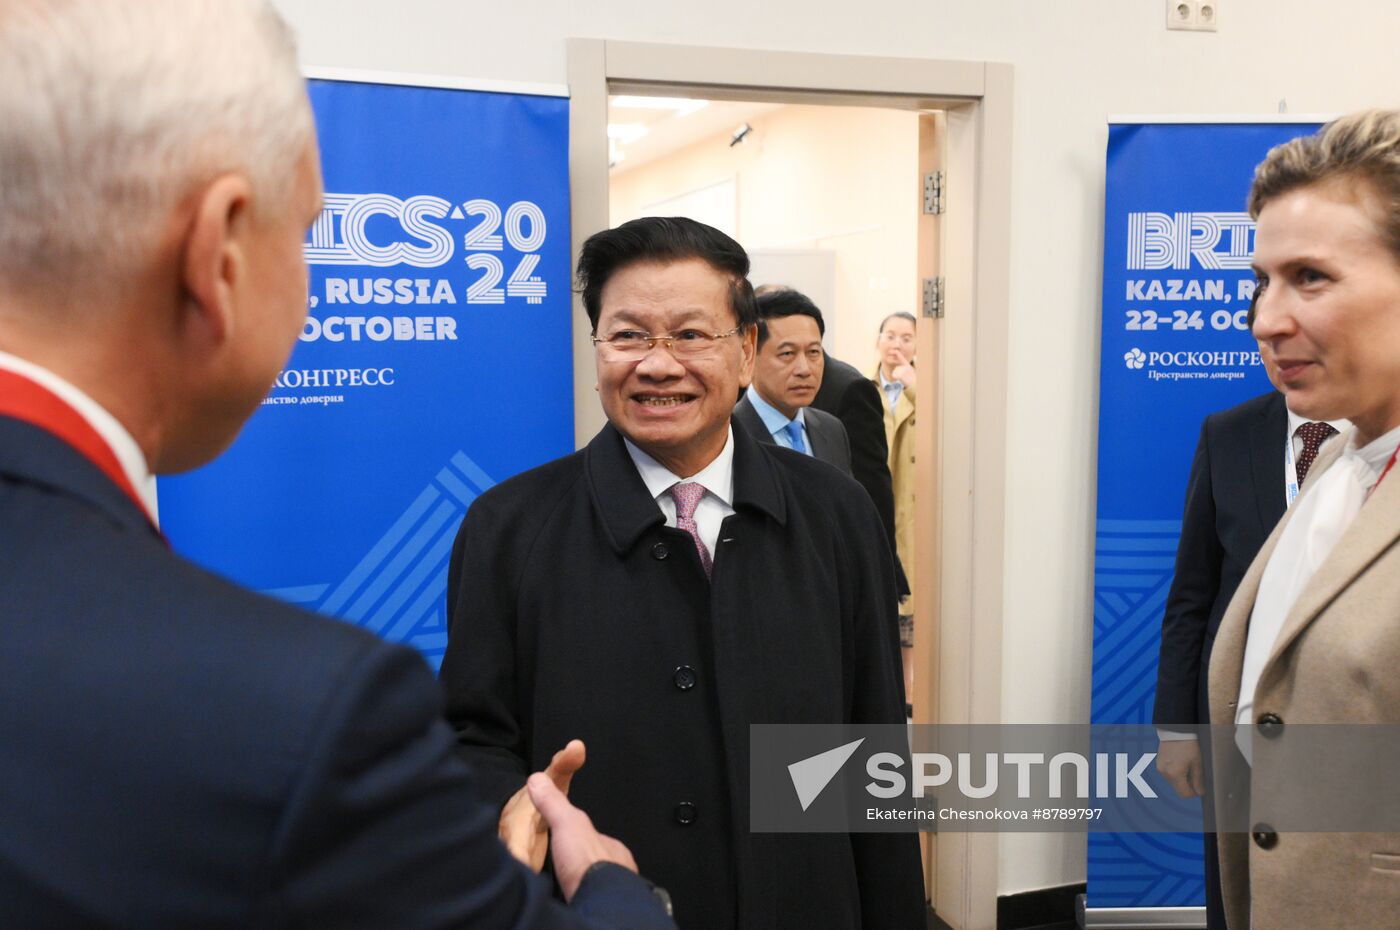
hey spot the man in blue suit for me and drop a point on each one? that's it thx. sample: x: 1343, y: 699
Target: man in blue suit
x: 787, y: 375
x: 178, y: 752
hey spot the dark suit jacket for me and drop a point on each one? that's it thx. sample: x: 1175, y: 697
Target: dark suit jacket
x: 855, y: 400
x: 177, y: 752
x: 574, y: 611
x: 1234, y: 497
x: 824, y: 431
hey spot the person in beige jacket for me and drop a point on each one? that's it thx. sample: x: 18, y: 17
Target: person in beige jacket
x: 1312, y: 635
x: 898, y: 382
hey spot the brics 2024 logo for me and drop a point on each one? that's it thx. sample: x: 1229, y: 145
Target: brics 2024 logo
x: 1211, y: 240
x: 381, y: 231
x: 1134, y: 358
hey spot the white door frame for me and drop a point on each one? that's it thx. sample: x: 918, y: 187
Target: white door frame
x: 972, y: 415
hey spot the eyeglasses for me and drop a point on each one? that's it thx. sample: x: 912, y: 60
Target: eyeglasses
x: 630, y: 345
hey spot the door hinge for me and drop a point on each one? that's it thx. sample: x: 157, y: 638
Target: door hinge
x: 933, y: 298
x: 933, y: 192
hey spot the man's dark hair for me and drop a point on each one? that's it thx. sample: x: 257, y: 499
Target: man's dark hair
x: 663, y: 239
x: 897, y: 315
x: 785, y: 302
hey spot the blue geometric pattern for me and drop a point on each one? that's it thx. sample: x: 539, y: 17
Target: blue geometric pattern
x: 398, y: 589
x: 1145, y: 870
x: 1133, y: 565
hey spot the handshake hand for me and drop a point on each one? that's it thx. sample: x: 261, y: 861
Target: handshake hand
x: 541, y: 808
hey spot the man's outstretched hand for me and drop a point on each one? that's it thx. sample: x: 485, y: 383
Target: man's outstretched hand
x: 521, y: 827
x: 577, y: 843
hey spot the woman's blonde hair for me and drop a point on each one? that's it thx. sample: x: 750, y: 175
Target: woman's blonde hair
x: 1360, y: 147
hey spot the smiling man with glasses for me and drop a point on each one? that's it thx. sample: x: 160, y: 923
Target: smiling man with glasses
x: 665, y: 587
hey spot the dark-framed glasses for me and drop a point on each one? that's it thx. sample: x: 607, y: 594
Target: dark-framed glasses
x: 631, y: 345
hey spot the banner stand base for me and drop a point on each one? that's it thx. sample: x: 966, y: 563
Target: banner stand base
x: 1139, y: 918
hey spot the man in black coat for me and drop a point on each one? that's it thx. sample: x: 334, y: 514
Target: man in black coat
x: 855, y: 401
x: 669, y: 585
x: 176, y: 752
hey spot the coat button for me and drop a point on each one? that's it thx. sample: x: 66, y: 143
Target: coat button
x: 685, y: 813
x: 1270, y: 726
x: 684, y: 678
x: 1264, y: 836
x: 659, y: 551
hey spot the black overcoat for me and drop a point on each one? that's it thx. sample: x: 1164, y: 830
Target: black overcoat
x: 860, y: 406
x: 575, y: 612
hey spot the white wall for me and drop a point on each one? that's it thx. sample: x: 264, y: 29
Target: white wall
x: 842, y: 179
x: 1076, y: 62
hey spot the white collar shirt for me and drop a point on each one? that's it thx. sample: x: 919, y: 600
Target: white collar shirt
x: 717, y: 478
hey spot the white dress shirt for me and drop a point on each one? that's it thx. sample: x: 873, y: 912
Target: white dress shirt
x: 717, y: 478
x: 123, y: 446
x: 1321, y: 518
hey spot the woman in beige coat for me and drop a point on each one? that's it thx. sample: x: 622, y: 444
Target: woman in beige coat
x: 898, y: 382
x: 1312, y: 635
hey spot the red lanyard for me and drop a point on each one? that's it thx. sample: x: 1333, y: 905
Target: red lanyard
x: 1388, y: 466
x: 36, y: 405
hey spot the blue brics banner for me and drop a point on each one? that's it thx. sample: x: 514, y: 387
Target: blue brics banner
x: 435, y: 359
x: 1176, y: 290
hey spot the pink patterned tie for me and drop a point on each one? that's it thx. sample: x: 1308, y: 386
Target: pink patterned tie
x: 687, y: 496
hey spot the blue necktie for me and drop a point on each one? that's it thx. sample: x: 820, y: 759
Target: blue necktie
x: 794, y: 433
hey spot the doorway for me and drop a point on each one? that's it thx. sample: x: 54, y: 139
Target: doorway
x: 960, y: 496
x: 830, y: 201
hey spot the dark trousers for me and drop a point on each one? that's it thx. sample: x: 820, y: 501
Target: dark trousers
x: 1215, y: 901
